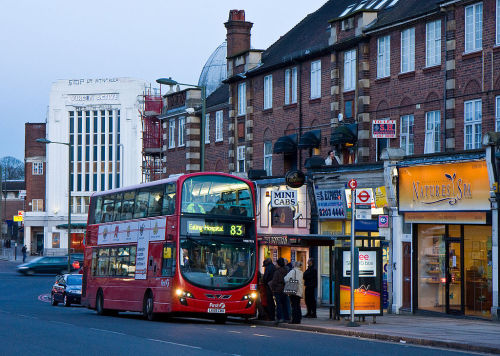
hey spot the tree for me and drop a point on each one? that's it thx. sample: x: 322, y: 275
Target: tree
x: 12, y: 168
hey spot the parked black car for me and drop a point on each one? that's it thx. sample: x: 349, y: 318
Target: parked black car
x: 67, y: 289
x: 51, y: 264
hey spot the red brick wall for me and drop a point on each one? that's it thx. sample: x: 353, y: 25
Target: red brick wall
x: 35, y: 184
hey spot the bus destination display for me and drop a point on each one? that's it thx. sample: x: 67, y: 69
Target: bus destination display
x: 201, y: 227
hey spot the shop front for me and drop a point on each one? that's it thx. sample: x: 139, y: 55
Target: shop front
x: 449, y: 209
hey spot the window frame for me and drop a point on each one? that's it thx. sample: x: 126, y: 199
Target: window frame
x: 350, y: 70
x: 37, y: 168
x: 497, y: 23
x: 497, y: 113
x: 433, y: 43
x: 182, y: 132
x: 408, y: 50
x: 470, y: 44
x: 207, y: 128
x: 268, y: 157
x: 436, y: 138
x: 474, y: 122
x: 240, y: 159
x: 384, y: 56
x: 315, y: 79
x: 171, y: 133
x: 219, y: 125
x: 39, y: 205
x: 407, y: 132
x: 242, y: 98
x: 288, y: 86
x: 268, y: 92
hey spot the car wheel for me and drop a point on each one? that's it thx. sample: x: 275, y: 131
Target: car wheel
x: 148, y: 307
x: 99, y: 304
x: 30, y: 272
x: 66, y: 301
x: 53, y: 300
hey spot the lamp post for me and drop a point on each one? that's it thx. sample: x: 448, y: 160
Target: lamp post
x: 170, y: 81
x: 46, y: 141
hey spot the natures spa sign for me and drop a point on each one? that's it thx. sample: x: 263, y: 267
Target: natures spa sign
x: 445, y: 187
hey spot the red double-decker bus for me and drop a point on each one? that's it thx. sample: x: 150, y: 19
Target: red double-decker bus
x: 185, y: 245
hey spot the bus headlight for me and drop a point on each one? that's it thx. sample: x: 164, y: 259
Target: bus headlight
x: 183, y: 295
x: 250, y: 298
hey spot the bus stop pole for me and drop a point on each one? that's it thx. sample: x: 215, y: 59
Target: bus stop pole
x: 353, y: 218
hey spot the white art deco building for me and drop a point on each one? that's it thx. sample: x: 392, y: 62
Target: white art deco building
x: 101, y: 119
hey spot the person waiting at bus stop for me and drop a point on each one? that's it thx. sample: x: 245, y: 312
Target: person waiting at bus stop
x: 277, y: 285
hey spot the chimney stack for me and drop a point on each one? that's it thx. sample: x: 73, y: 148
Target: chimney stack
x: 238, y: 33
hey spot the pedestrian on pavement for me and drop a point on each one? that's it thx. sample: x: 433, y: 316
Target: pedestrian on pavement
x: 289, y: 267
x: 24, y: 250
x: 310, y: 283
x: 296, y: 274
x: 269, y: 270
x: 277, y: 285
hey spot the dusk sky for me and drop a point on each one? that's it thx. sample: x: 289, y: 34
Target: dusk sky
x: 43, y: 41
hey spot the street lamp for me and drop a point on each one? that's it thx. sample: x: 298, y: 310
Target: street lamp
x: 170, y: 81
x: 46, y: 141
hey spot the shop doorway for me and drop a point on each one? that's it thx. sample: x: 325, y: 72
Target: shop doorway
x: 454, y: 277
x: 406, y: 275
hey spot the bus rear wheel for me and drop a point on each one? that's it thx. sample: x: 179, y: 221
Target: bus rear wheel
x: 148, y: 307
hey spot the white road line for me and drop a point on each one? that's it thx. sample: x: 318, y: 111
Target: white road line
x: 262, y: 335
x: 108, y: 331
x: 174, y: 343
x: 211, y: 328
x: 27, y: 316
x: 60, y: 322
x: 234, y: 332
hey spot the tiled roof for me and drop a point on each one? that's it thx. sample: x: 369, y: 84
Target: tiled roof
x: 219, y: 96
x: 13, y: 185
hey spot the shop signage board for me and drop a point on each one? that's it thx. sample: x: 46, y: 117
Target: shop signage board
x: 363, y: 214
x: 445, y: 187
x: 384, y: 128
x: 383, y: 221
x: 281, y: 198
x: 331, y: 203
x: 368, y: 294
x: 381, y: 197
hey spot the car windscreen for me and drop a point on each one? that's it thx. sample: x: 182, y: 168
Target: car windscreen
x: 74, y: 280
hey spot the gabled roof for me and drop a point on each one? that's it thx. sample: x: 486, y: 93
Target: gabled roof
x: 219, y: 96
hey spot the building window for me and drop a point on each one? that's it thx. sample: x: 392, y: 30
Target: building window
x: 497, y: 114
x: 433, y: 43
x: 268, y: 158
x: 291, y: 86
x: 182, y: 130
x: 350, y: 70
x: 472, y: 124
x: 207, y: 128
x: 406, y: 134
x: 37, y: 168
x: 37, y: 205
x: 268, y: 92
x: 242, y: 99
x: 171, y: 133
x: 348, y: 109
x: 408, y: 50
x: 498, y: 23
x: 384, y: 57
x: 474, y: 27
x: 219, y: 125
x: 241, y: 159
x: 381, y: 144
x: 315, y: 79
x: 432, y: 130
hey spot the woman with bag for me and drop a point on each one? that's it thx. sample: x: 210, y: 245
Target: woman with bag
x: 294, y: 286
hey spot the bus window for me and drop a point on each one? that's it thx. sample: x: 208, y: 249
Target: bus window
x: 168, y: 261
x: 112, y: 262
x: 128, y: 205
x: 102, y: 261
x: 118, y: 206
x: 96, y: 211
x: 131, y: 265
x: 155, y: 201
x: 108, y: 208
x: 169, y: 199
x: 94, y: 261
x: 141, y: 204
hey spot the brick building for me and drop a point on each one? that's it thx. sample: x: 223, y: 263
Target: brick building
x: 34, y: 172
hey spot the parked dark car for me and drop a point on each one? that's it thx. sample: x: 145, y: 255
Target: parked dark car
x: 67, y: 289
x: 51, y: 264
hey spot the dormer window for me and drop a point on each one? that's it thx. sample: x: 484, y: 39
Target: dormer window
x: 347, y: 24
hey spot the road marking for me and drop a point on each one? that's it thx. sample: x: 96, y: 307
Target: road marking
x: 108, y: 331
x: 211, y: 328
x: 234, y: 332
x: 60, y: 322
x: 27, y: 316
x: 175, y: 343
x: 44, y: 298
x: 262, y: 335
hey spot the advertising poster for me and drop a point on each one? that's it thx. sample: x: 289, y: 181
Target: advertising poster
x: 368, y: 293
x: 330, y: 203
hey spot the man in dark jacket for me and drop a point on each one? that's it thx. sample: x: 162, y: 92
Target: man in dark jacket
x: 277, y: 285
x: 310, y: 284
x: 269, y: 269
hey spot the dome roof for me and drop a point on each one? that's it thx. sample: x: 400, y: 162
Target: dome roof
x: 215, y: 69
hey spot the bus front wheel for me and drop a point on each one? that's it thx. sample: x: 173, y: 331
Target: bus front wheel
x: 99, y: 304
x: 148, y: 307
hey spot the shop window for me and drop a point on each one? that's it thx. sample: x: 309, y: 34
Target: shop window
x: 282, y: 217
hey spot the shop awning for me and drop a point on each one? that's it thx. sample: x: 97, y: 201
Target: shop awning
x: 311, y: 139
x: 73, y: 226
x: 286, y: 144
x: 344, y: 134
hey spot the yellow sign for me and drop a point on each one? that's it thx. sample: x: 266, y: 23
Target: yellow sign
x: 444, y: 187
x: 167, y: 252
x: 380, y: 197
x: 18, y: 218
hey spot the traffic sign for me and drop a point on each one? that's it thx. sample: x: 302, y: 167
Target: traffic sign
x: 363, y: 196
x: 20, y: 213
x: 383, y: 221
x: 352, y: 184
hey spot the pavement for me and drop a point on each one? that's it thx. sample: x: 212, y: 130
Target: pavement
x: 473, y: 335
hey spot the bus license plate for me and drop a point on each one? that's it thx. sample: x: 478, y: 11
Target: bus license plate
x: 217, y: 311
x: 217, y: 308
